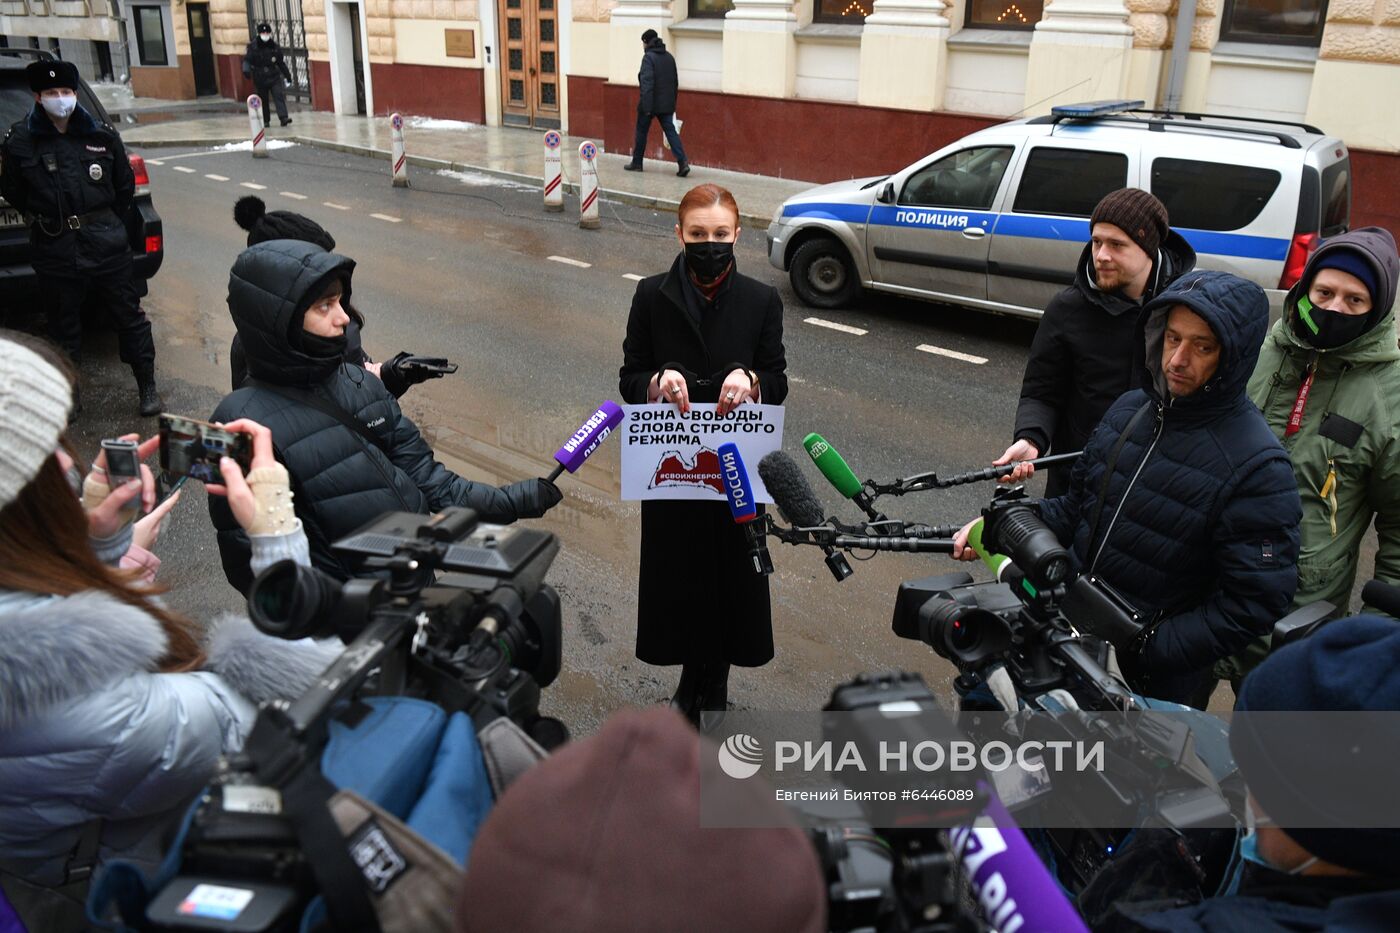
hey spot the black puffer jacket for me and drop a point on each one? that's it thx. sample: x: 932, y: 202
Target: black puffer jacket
x: 263, y: 62
x: 1086, y: 354
x: 1200, y: 520
x: 340, y: 480
x: 657, y: 80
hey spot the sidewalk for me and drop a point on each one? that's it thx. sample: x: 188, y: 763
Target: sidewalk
x: 510, y: 153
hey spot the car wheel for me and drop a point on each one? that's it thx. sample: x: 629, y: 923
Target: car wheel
x: 823, y: 275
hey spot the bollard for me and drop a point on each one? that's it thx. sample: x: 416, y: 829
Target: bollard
x: 255, y: 126
x: 398, y: 160
x: 553, y: 171
x: 588, y: 187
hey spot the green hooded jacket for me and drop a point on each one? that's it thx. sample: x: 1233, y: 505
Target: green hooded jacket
x: 1346, y: 454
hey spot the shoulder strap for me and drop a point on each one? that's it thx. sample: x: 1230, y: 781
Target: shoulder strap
x: 323, y: 405
x: 83, y: 855
x: 1133, y: 422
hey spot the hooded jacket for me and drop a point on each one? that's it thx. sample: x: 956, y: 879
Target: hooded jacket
x: 92, y: 180
x: 1199, y: 524
x: 89, y: 731
x: 657, y: 80
x: 1085, y: 354
x: 1350, y: 430
x: 340, y: 480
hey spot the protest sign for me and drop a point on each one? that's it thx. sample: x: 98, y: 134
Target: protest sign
x: 669, y: 455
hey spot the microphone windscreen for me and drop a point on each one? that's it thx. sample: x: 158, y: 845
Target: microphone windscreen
x: 790, y: 490
x: 590, y: 434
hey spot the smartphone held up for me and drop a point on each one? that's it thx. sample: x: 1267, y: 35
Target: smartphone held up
x: 193, y: 448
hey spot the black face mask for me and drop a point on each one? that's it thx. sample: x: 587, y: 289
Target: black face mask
x: 1328, y: 330
x: 708, y: 260
x: 324, y: 348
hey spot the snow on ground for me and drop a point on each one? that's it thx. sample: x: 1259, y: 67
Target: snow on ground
x: 483, y: 180
x: 247, y: 145
x: 431, y: 123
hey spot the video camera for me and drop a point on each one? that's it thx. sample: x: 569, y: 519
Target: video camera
x: 455, y: 613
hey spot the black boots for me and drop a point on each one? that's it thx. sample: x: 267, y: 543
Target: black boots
x: 702, y: 696
x: 150, y: 400
x: 684, y: 169
x: 632, y: 167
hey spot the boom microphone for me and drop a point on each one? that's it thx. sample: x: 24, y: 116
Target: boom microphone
x: 790, y: 490
x: 793, y: 494
x: 739, y: 491
x: 586, y: 439
x: 841, y: 476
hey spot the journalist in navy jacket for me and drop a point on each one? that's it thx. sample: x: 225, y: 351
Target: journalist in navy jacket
x: 1199, y: 524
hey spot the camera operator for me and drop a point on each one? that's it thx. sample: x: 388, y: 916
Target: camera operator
x: 251, y: 214
x: 1184, y: 501
x: 1300, y: 879
x: 1085, y: 350
x: 351, y: 451
x: 114, y: 710
x: 605, y: 837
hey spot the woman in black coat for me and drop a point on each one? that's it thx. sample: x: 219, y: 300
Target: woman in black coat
x: 702, y: 332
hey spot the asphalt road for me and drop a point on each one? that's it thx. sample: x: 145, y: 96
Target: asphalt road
x: 461, y: 267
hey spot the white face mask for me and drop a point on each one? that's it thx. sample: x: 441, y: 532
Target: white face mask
x: 60, y: 107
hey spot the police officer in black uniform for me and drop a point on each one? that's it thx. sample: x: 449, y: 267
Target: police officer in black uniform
x: 70, y: 177
x: 263, y: 63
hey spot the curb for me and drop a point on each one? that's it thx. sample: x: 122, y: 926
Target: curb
x: 633, y: 198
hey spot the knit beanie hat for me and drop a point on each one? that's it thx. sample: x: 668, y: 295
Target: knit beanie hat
x: 1353, y: 262
x: 1137, y: 213
x: 648, y: 36
x: 252, y: 215
x: 34, y: 402
x: 605, y: 837
x: 1315, y: 771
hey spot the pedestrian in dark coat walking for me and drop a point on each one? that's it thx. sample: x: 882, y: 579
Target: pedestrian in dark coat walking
x: 658, y: 84
x: 1085, y: 353
x: 352, y: 453
x: 263, y: 63
x: 70, y: 177
x: 702, y: 332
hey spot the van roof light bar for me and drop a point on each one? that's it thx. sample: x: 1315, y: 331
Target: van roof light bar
x: 1095, y: 108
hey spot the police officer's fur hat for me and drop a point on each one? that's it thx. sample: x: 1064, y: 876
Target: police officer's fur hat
x: 45, y: 75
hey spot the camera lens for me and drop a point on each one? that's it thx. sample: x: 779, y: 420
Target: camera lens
x: 964, y: 635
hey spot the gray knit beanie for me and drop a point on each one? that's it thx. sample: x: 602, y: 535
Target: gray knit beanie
x: 34, y: 403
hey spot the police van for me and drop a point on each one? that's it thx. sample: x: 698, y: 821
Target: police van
x: 998, y: 219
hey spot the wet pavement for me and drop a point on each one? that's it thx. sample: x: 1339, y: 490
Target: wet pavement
x: 459, y: 265
x: 513, y: 154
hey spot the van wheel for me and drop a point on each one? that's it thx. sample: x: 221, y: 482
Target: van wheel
x: 823, y: 275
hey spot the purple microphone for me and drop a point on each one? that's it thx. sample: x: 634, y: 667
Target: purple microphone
x: 1014, y: 888
x: 586, y: 439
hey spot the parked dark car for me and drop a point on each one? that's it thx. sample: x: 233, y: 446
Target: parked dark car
x: 143, y: 224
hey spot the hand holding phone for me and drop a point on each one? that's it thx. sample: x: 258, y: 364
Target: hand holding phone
x: 193, y: 448
x: 123, y: 463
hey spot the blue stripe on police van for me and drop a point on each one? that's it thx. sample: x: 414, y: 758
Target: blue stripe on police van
x: 1239, y: 245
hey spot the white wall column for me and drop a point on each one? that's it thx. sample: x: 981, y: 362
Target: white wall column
x: 904, y: 55
x: 631, y: 18
x: 1081, y: 51
x: 760, y: 51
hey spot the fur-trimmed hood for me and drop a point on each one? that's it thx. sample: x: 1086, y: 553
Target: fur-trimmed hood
x: 56, y: 649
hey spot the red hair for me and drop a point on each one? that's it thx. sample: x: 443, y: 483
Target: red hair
x: 707, y: 195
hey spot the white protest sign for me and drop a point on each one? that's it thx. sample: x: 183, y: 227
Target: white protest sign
x: 669, y: 455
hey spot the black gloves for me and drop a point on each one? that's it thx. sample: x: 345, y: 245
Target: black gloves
x: 404, y: 369
x: 533, y: 497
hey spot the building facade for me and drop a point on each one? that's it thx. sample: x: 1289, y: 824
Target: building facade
x: 89, y: 33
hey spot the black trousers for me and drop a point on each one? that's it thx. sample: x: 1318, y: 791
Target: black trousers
x: 668, y: 127
x: 274, y: 93
x: 115, y: 292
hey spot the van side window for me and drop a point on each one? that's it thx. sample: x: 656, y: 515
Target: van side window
x: 968, y: 179
x: 1212, y: 195
x: 1069, y: 182
x: 1336, y: 198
